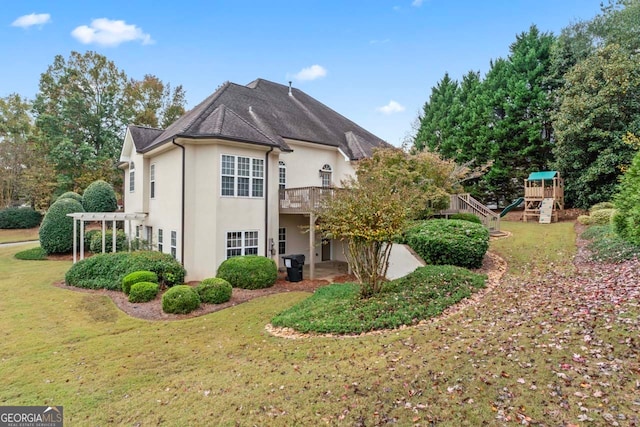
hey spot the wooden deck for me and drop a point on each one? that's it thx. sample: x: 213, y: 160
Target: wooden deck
x: 303, y: 200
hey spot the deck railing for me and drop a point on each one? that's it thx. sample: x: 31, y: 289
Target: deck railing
x: 303, y: 200
x: 467, y: 204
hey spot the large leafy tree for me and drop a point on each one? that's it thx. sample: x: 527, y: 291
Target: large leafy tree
x: 391, y: 188
x: 81, y: 113
x: 15, y: 155
x: 600, y: 104
x: 154, y: 103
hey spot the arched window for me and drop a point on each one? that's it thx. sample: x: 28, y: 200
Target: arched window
x: 325, y: 176
x: 282, y: 175
x: 132, y: 177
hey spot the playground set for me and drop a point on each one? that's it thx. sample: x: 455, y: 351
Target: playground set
x: 543, y: 200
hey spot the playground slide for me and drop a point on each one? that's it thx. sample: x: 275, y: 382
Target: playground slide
x: 515, y: 204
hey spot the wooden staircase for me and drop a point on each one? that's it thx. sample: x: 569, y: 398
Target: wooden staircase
x: 464, y: 203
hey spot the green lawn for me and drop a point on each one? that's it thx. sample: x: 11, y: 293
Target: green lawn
x: 500, y: 360
x: 19, y: 235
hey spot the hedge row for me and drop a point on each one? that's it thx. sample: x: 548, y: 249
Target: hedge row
x: 449, y: 242
x: 107, y: 270
x: 12, y: 218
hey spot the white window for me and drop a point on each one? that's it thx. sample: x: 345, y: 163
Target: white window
x: 282, y: 241
x: 325, y: 176
x: 149, y: 231
x: 242, y: 243
x: 152, y: 181
x: 282, y: 175
x: 174, y: 243
x: 132, y: 177
x: 160, y: 240
x: 241, y: 176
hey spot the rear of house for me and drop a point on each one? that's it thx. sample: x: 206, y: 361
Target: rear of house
x: 241, y: 174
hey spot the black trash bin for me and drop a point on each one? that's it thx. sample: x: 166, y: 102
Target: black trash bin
x: 294, y: 264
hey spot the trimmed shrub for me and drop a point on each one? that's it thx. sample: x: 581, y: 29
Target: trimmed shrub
x: 33, y: 254
x: 95, y: 244
x: 70, y: 195
x: 56, y: 231
x: 214, y: 290
x: 466, y: 217
x: 181, y: 299
x: 136, y: 277
x: 601, y: 217
x: 19, y: 218
x: 107, y: 270
x: 99, y: 197
x: 584, y: 219
x: 143, y: 292
x: 626, y: 222
x: 449, y: 242
x: 88, y: 235
x: 600, y: 206
x: 249, y: 272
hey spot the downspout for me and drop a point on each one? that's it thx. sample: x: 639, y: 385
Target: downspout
x: 173, y: 141
x: 266, y: 201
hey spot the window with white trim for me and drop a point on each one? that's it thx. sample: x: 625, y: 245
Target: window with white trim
x: 132, y: 177
x: 241, y: 176
x: 241, y: 243
x: 174, y: 243
x: 282, y: 175
x: 160, y: 240
x: 325, y: 176
x: 282, y: 241
x: 152, y: 181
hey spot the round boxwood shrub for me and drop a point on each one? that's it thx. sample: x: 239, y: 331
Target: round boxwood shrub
x: 70, y: 195
x: 136, y: 277
x: 214, y: 290
x: 143, y: 292
x: 249, y: 272
x: 466, y: 217
x: 56, y: 231
x: 19, y: 218
x: 107, y: 270
x: 95, y: 244
x: 99, y: 197
x: 180, y: 299
x: 584, y: 219
x: 600, y: 206
x: 449, y: 242
x: 601, y: 216
x: 88, y: 235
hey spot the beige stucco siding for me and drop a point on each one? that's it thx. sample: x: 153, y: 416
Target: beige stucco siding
x: 210, y: 216
x: 304, y: 164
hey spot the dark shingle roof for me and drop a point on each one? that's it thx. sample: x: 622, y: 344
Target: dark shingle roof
x: 264, y: 113
x: 143, y: 136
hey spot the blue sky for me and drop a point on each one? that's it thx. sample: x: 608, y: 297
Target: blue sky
x: 374, y: 61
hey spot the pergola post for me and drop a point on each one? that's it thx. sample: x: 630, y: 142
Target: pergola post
x: 113, y: 236
x: 104, y: 237
x: 75, y: 240
x: 81, y: 239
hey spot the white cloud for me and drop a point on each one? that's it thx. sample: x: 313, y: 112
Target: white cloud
x: 107, y: 32
x: 27, y: 21
x: 311, y: 73
x: 391, y: 108
x: 417, y: 3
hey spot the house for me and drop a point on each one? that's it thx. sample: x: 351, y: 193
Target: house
x: 240, y: 174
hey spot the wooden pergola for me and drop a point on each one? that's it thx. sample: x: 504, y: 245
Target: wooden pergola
x: 113, y: 217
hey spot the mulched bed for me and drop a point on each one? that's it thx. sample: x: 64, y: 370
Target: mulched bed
x: 152, y: 310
